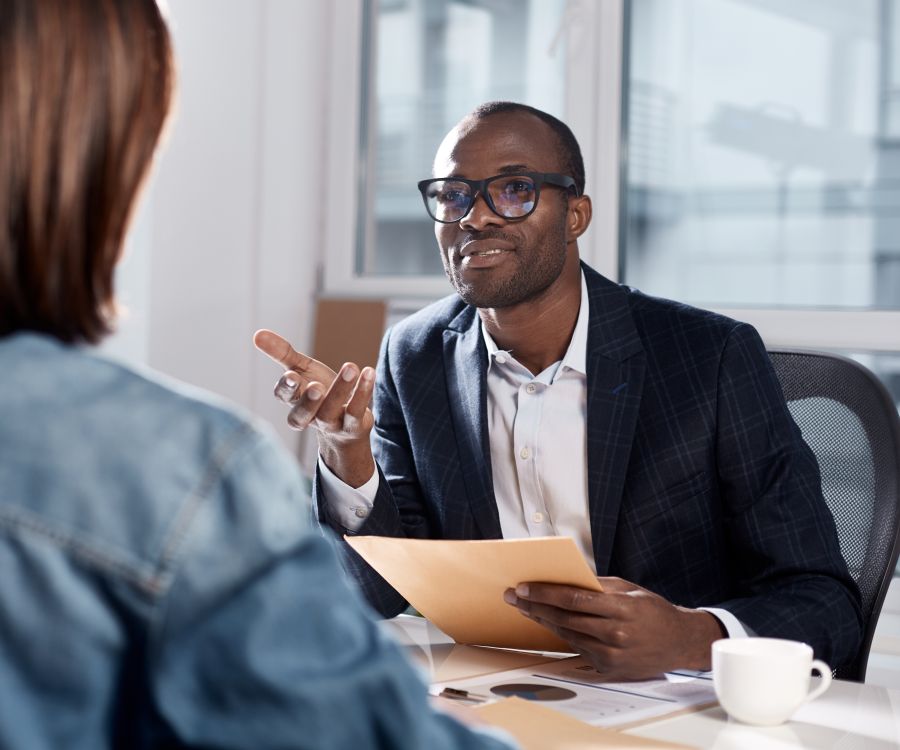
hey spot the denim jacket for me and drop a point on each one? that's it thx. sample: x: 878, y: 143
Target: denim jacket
x: 160, y: 582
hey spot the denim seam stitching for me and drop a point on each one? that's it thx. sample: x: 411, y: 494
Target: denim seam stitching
x: 19, y: 519
x: 173, y: 543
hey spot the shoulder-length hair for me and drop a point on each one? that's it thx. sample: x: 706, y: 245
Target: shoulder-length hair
x: 85, y: 88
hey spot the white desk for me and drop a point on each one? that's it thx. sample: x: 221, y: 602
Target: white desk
x: 849, y: 716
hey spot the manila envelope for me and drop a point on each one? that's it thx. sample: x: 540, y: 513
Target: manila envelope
x: 537, y: 727
x: 459, y: 585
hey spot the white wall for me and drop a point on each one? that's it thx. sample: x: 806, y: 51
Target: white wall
x: 227, y: 239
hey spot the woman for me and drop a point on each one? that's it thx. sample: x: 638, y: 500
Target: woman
x: 158, y: 582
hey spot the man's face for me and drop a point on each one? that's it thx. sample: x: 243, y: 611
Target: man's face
x: 493, y: 261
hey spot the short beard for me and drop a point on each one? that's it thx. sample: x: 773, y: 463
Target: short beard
x: 527, y: 284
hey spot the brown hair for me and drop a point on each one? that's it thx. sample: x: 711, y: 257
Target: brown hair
x: 85, y: 87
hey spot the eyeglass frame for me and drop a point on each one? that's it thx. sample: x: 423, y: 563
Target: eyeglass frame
x: 479, y: 187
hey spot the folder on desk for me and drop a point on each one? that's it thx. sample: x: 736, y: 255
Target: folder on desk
x: 538, y: 727
x: 459, y: 585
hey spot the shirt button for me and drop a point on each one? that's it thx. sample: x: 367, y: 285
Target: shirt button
x: 524, y: 453
x: 501, y: 359
x: 530, y: 388
x: 538, y: 517
x: 360, y: 512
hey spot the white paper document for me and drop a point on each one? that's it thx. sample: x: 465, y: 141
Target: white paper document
x: 573, y: 687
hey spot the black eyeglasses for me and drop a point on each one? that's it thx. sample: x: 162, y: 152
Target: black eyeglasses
x: 511, y: 196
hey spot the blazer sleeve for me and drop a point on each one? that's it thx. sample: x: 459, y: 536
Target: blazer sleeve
x: 792, y: 580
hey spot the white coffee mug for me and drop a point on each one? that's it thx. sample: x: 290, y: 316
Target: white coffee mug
x: 762, y: 681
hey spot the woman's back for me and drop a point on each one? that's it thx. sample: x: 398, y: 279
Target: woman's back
x: 161, y: 584
x: 109, y: 484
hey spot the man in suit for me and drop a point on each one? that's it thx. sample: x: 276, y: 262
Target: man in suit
x: 544, y: 399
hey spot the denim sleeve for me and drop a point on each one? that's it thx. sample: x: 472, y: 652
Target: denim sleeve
x: 260, y: 642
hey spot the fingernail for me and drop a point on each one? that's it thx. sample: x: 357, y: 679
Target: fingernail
x: 295, y: 425
x: 349, y: 374
x: 509, y: 596
x: 290, y: 382
x: 522, y: 590
x: 314, y: 394
x: 368, y: 374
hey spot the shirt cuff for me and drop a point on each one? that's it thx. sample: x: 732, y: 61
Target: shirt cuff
x: 347, y: 505
x: 734, y: 627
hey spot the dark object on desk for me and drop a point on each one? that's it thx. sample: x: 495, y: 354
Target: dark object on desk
x: 850, y: 422
x: 531, y: 691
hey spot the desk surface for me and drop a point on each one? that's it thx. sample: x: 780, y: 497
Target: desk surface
x: 849, y: 716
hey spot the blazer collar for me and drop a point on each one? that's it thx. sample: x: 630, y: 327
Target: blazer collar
x: 465, y: 365
x: 615, y: 376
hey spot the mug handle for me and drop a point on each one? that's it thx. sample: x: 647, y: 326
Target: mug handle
x: 825, y: 671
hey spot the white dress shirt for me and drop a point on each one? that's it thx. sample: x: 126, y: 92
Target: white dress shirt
x: 537, y: 427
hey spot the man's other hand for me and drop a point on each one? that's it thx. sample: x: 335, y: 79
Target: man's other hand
x: 627, y: 632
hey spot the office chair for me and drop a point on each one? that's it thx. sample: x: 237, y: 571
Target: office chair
x: 851, y: 424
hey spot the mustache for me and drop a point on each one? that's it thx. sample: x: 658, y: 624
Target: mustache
x: 488, y: 235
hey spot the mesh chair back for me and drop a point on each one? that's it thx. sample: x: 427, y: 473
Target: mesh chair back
x: 851, y: 424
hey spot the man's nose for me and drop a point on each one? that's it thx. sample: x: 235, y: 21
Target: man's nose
x: 480, y: 215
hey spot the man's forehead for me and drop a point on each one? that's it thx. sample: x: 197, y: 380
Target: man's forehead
x: 496, y: 144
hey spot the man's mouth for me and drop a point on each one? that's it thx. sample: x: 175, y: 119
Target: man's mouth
x: 486, y: 248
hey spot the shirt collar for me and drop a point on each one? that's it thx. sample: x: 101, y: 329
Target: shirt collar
x: 576, y: 354
x: 575, y: 357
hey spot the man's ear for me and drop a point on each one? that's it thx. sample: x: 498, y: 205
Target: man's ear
x: 578, y: 218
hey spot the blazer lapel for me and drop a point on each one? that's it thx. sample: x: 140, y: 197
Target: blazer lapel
x: 615, y: 377
x: 465, y: 363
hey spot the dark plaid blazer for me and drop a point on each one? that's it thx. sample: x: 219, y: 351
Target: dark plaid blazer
x: 700, y: 486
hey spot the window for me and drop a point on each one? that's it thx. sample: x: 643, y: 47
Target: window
x: 760, y: 168
x: 763, y: 173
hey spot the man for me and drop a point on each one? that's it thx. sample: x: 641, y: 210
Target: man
x: 544, y: 399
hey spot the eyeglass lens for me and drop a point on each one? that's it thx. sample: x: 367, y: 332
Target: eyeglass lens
x: 511, y: 196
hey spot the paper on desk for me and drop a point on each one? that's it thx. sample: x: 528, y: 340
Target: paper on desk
x: 539, y: 728
x: 576, y: 689
x: 459, y: 585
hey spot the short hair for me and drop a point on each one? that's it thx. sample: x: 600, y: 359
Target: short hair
x: 569, y: 150
x: 85, y: 89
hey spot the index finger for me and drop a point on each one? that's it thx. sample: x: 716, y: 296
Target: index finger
x: 279, y: 349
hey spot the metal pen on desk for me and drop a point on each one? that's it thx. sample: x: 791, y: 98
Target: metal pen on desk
x: 462, y: 695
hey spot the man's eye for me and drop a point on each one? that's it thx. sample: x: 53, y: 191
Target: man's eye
x: 451, y: 196
x: 518, y: 186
